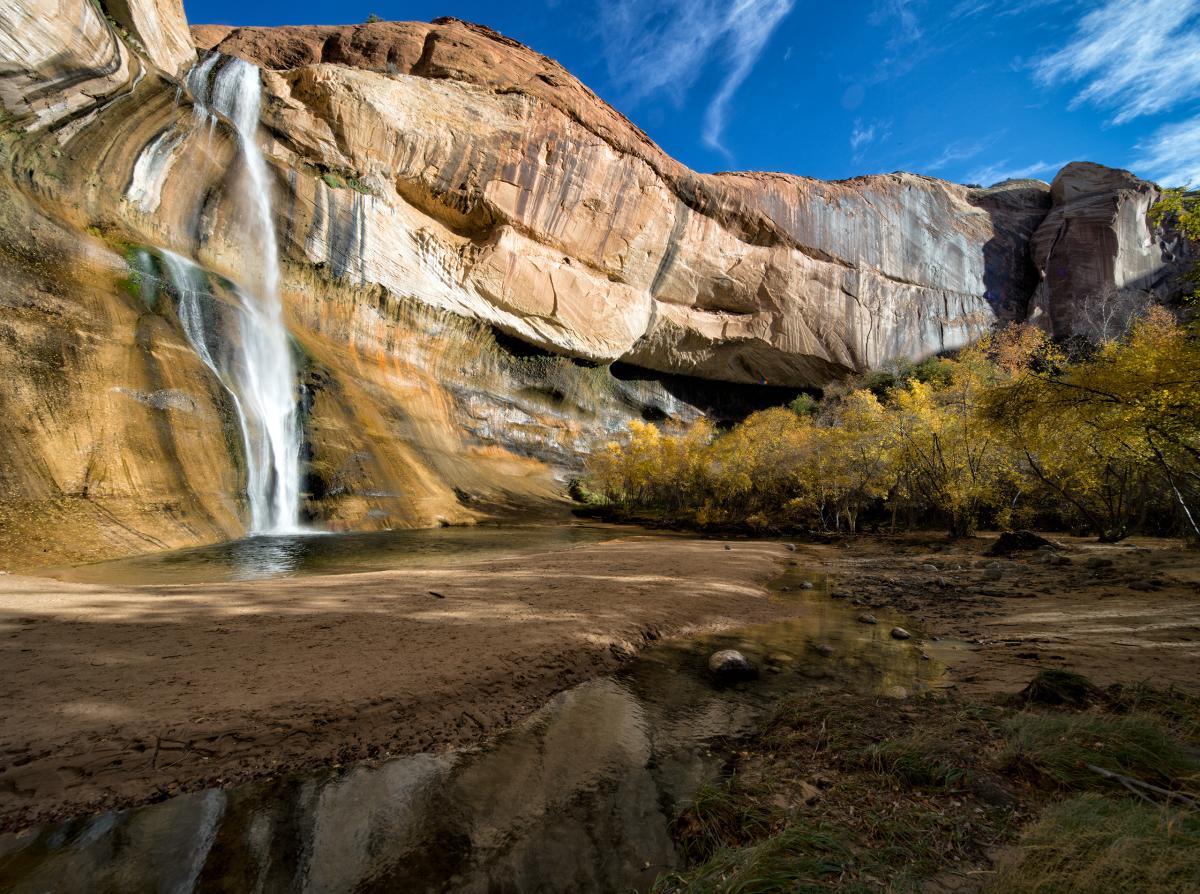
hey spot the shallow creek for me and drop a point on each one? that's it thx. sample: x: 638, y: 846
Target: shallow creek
x: 578, y: 797
x: 295, y: 555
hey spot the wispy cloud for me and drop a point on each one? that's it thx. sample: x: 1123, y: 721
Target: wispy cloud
x: 750, y: 25
x: 862, y: 135
x: 906, y: 47
x: 1134, y: 57
x: 959, y: 150
x: 1171, y: 155
x: 1002, y: 170
x: 659, y: 47
x: 865, y: 133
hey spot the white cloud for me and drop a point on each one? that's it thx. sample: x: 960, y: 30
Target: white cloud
x: 750, y: 25
x: 1134, y: 57
x: 1001, y: 171
x: 661, y: 46
x: 862, y: 135
x: 1171, y: 156
x: 960, y: 150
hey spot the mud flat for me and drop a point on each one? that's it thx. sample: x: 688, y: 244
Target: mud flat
x: 1118, y: 613
x: 117, y: 695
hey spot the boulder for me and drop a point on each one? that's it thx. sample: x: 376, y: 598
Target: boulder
x: 729, y: 665
x: 1010, y: 542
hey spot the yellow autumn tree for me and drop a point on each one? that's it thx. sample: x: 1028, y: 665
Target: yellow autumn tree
x: 1107, y: 435
x: 947, y: 459
x: 758, y: 467
x: 850, y: 467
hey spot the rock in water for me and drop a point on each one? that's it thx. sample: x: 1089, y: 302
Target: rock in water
x: 900, y: 633
x: 867, y: 619
x: 729, y: 665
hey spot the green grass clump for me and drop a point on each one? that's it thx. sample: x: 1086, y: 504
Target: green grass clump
x: 1060, y: 688
x: 905, y: 846
x: 801, y: 858
x: 1177, y: 709
x: 922, y: 760
x: 1091, y: 843
x: 1057, y: 748
x: 720, y: 816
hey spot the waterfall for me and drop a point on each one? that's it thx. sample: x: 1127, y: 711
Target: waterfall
x: 151, y: 170
x: 252, y: 356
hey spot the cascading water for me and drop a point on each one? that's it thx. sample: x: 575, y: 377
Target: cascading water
x: 253, y: 356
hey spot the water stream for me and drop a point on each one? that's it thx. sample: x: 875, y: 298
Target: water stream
x: 250, y: 353
x: 579, y: 797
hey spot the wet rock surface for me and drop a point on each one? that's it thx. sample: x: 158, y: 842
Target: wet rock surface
x: 729, y: 665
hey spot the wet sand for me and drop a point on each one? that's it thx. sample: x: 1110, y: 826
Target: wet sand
x: 119, y: 695
x: 1119, y: 613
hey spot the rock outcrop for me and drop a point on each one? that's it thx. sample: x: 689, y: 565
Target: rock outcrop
x: 1100, y: 257
x: 485, y: 268
x: 568, y: 228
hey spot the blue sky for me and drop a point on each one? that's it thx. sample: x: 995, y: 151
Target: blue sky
x: 971, y: 90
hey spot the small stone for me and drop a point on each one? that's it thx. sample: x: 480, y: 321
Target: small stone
x: 867, y: 619
x: 992, y: 573
x: 809, y: 794
x: 932, y: 569
x: 730, y: 664
x: 824, y: 649
x: 791, y: 547
x: 727, y: 546
x: 900, y: 633
x: 807, y: 585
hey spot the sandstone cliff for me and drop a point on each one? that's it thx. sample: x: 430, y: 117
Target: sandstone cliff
x: 469, y: 238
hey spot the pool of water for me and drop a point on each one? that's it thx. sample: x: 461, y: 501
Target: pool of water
x: 293, y: 555
x: 578, y: 797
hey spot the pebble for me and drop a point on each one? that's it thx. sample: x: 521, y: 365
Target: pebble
x: 867, y: 619
x: 807, y: 585
x: 900, y: 633
x: 824, y: 649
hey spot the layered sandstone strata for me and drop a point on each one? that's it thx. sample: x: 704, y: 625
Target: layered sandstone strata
x: 470, y: 237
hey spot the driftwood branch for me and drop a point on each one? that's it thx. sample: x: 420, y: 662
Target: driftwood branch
x: 1140, y: 788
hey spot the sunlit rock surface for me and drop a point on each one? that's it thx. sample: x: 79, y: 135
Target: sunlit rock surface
x: 470, y: 238
x: 1100, y: 255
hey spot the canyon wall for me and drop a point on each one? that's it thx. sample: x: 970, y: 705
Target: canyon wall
x: 486, y: 271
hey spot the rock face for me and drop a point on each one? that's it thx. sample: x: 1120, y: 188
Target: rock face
x: 486, y: 271
x: 555, y: 219
x: 1099, y: 256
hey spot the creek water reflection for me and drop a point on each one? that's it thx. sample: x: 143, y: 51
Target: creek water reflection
x: 579, y: 797
x: 294, y: 555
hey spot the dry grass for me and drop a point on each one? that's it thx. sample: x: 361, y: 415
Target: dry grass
x: 1091, y: 843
